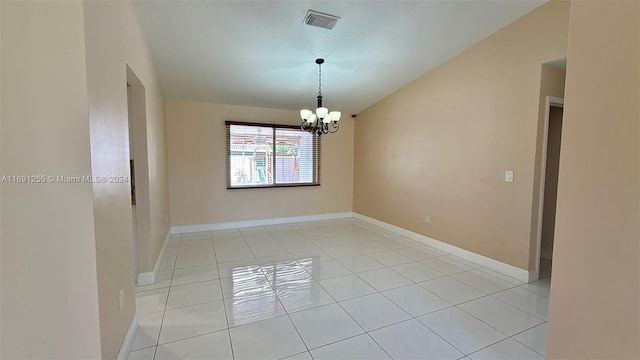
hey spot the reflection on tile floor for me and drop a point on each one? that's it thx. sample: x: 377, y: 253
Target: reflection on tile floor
x: 339, y: 289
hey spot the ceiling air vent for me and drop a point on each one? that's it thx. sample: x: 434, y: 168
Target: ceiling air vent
x: 319, y: 19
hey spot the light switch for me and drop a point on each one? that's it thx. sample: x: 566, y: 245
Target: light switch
x: 508, y: 176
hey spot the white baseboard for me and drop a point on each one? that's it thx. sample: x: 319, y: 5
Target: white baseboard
x: 261, y: 222
x: 149, y: 277
x: 505, y: 269
x: 546, y: 254
x: 128, y: 339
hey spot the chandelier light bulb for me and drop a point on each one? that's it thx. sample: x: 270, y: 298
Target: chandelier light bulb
x: 305, y: 114
x: 322, y: 112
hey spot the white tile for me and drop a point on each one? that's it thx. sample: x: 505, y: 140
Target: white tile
x: 394, y: 244
x: 303, y: 295
x: 287, y: 236
x: 237, y: 253
x: 273, y: 259
x: 462, y: 330
x: 169, y: 259
x: 196, y: 235
x: 231, y: 268
x: 299, y: 245
x: 506, y: 350
x: 302, y: 356
x: 351, y: 239
x: 338, y: 229
x: 148, y: 330
x: 228, y: 240
x: 248, y: 308
x: 452, y: 290
x: 416, y: 300
x: 370, y: 248
x: 162, y: 281
x: 327, y: 242
x: 501, y: 316
x: 191, y: 321
x: 391, y: 258
x: 501, y: 276
x: 359, y: 347
x: 313, y: 233
x: 326, y: 270
x: 244, y: 283
x: 223, y: 232
x: 285, y: 272
x: 324, y: 325
x: 417, y: 272
x: 484, y: 282
x: 258, y: 237
x: 268, y: 339
x: 267, y: 249
x: 384, y: 279
x: 311, y: 255
x: 210, y: 346
x: 412, y: 340
x: 535, y: 338
x: 447, y: 265
x: 347, y: 287
x: 540, y: 287
x: 151, y: 301
x: 341, y: 252
x: 361, y: 263
x: 144, y: 354
x: 420, y: 253
x: 193, y: 294
x: 195, y: 254
x: 374, y: 311
x: 194, y: 274
x: 374, y: 233
x: 525, y: 300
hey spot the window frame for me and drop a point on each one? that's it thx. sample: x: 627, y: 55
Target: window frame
x: 316, y: 155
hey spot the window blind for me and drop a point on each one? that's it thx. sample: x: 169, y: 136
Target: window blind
x: 269, y: 155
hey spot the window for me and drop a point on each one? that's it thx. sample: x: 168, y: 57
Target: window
x: 266, y: 155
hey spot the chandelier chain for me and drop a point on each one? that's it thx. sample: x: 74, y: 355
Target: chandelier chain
x: 319, y: 79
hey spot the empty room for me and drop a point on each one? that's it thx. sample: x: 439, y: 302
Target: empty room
x: 423, y: 179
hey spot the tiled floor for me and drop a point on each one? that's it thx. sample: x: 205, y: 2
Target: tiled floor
x: 338, y: 289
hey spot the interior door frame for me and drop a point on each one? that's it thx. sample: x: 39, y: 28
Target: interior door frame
x: 551, y: 101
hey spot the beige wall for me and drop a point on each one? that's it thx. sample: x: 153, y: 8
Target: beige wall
x: 113, y: 40
x: 551, y: 84
x: 49, y: 286
x: 440, y: 145
x: 197, y: 167
x: 595, y: 295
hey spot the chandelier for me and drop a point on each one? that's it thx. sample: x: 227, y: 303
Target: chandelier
x: 322, y: 121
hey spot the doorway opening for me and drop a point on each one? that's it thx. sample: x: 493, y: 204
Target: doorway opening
x: 139, y: 165
x: 549, y: 184
x: 132, y: 182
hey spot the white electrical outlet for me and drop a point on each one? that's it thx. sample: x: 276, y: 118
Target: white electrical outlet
x: 427, y: 219
x: 298, y: 203
x: 121, y: 297
x: 508, y: 176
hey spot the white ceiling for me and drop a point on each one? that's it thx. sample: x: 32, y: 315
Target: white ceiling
x: 259, y: 53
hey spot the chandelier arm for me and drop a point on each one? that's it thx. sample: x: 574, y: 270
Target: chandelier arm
x: 335, y: 126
